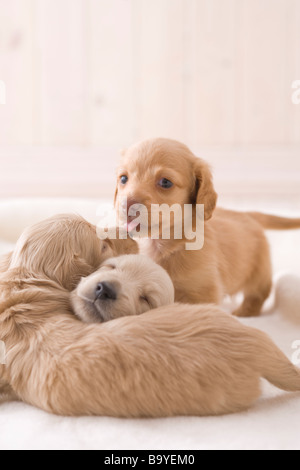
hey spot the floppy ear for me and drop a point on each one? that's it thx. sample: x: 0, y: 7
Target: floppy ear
x: 116, y: 195
x: 205, y: 191
x: 122, y: 153
x: 69, y: 273
x: 123, y: 247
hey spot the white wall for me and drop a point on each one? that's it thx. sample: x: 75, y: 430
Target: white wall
x: 113, y: 71
x: 106, y: 73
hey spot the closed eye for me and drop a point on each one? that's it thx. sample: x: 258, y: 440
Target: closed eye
x: 109, y: 266
x: 145, y: 299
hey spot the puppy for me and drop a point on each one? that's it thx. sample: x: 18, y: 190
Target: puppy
x: 64, y: 248
x: 127, y: 285
x: 236, y: 254
x: 49, y: 260
x: 174, y: 360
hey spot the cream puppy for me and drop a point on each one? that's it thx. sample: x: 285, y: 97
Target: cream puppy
x: 127, y: 285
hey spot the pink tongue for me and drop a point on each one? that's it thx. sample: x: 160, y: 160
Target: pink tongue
x: 132, y: 225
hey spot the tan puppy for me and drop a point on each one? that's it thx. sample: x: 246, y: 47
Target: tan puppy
x: 235, y: 256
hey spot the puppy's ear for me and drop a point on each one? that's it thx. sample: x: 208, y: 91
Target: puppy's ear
x: 69, y: 272
x: 116, y: 195
x: 205, y: 192
x: 123, y: 247
x: 123, y: 151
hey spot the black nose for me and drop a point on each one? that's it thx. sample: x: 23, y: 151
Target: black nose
x: 105, y: 291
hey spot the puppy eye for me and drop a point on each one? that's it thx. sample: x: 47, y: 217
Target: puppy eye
x: 124, y: 179
x: 165, y: 183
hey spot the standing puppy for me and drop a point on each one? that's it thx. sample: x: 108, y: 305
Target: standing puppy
x: 235, y: 256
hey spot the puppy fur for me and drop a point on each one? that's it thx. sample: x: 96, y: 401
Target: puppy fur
x: 64, y: 248
x: 236, y: 254
x: 173, y: 360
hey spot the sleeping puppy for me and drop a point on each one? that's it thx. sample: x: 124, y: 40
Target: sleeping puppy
x: 127, y: 285
x: 173, y: 360
x: 61, y: 249
x: 235, y: 256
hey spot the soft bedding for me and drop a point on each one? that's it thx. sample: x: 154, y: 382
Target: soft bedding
x: 273, y: 423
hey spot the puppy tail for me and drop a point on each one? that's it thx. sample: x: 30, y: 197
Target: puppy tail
x: 273, y: 222
x: 276, y: 367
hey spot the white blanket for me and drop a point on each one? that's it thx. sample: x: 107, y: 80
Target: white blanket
x: 273, y: 423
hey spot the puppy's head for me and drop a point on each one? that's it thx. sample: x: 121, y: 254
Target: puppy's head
x: 64, y: 248
x: 127, y: 285
x: 163, y: 171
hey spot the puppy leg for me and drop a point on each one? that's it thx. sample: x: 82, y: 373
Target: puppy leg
x: 252, y: 305
x: 258, y: 287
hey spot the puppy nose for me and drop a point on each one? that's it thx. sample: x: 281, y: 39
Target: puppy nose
x: 105, y: 291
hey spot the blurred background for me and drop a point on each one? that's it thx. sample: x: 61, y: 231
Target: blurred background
x: 86, y: 78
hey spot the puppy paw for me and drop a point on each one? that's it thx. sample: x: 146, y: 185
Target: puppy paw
x: 245, y: 313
